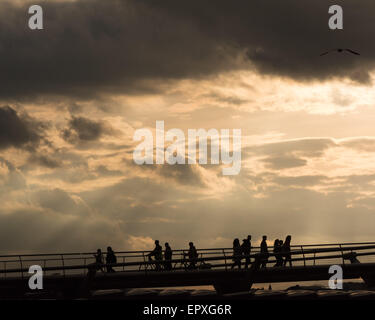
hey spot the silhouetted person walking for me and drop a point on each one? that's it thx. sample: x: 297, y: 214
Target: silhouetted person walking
x: 193, y: 255
x: 158, y: 254
x: 99, y: 261
x: 237, y: 254
x: 246, y: 248
x: 277, y: 252
x: 167, y: 257
x: 110, y: 259
x: 286, y: 251
x: 264, y: 252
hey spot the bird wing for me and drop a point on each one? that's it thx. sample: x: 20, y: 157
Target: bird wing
x: 324, y: 53
x: 351, y: 51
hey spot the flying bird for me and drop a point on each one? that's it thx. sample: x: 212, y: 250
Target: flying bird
x: 341, y: 50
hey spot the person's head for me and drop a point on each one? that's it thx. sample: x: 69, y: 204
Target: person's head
x: 109, y: 249
x: 288, y: 238
x: 249, y: 237
x: 244, y: 240
x: 157, y: 242
x: 99, y: 251
x: 276, y: 243
x: 166, y: 244
x: 264, y: 238
x: 281, y: 242
x: 236, y: 242
x: 191, y: 244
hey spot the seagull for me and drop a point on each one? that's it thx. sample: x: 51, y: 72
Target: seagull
x: 341, y: 50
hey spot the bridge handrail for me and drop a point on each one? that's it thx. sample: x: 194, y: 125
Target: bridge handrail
x: 220, y: 258
x: 210, y: 254
x: 301, y: 251
x: 177, y: 250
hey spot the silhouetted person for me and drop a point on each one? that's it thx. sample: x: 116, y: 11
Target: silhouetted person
x: 193, y: 255
x: 237, y: 254
x: 352, y: 256
x: 246, y: 248
x: 264, y: 252
x: 286, y: 251
x: 167, y: 257
x: 277, y: 252
x: 110, y: 259
x: 99, y: 261
x: 157, y: 253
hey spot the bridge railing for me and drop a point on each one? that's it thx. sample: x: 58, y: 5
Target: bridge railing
x: 213, y: 258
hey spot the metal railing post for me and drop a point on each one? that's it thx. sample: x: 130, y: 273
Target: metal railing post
x: 342, y: 253
x: 304, y: 259
x: 144, y: 260
x: 225, y: 259
x: 21, y: 266
x: 63, y: 264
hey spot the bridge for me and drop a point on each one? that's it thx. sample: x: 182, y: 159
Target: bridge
x: 75, y: 275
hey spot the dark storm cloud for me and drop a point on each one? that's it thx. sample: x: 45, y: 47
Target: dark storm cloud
x: 84, y: 129
x: 287, y: 37
x: 92, y: 46
x: 18, y: 130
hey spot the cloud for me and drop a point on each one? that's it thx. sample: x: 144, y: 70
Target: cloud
x: 360, y: 144
x: 31, y: 229
x: 284, y: 162
x: 60, y: 201
x: 82, y: 129
x: 10, y: 177
x: 115, y: 46
x: 92, y: 46
x: 299, y: 181
x: 140, y: 243
x: 306, y: 147
x: 45, y: 161
x: 19, y: 131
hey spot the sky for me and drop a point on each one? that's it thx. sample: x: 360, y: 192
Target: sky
x: 73, y: 94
